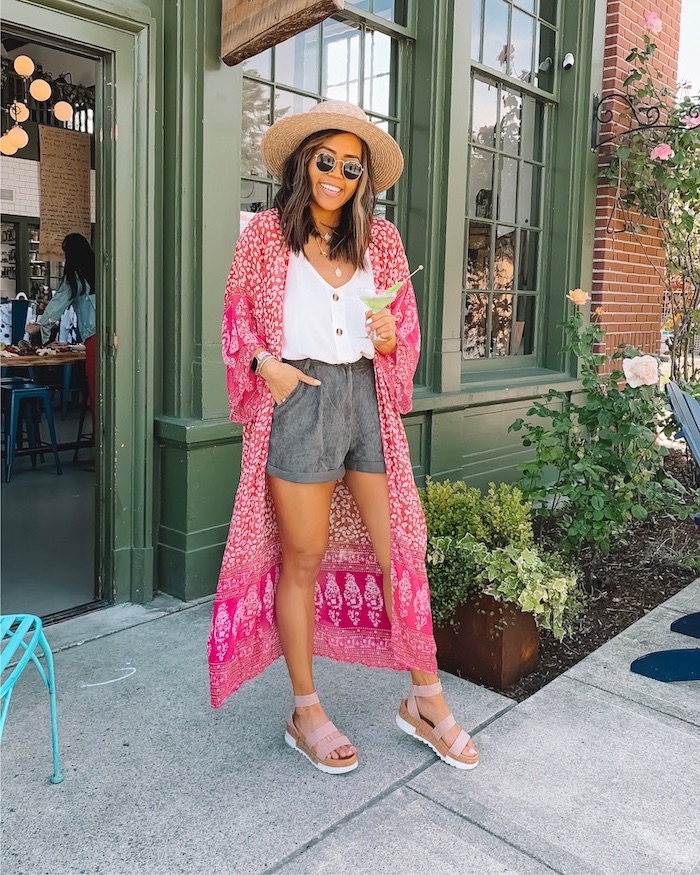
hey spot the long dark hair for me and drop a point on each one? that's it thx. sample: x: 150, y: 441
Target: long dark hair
x: 80, y: 264
x: 351, y: 237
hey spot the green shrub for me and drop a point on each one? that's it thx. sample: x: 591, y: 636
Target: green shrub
x: 485, y: 544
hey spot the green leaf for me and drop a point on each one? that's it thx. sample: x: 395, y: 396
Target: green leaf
x: 639, y: 512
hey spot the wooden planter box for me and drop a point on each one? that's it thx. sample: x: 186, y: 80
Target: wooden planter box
x: 492, y: 643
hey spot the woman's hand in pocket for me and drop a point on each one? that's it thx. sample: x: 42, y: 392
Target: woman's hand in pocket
x: 282, y: 379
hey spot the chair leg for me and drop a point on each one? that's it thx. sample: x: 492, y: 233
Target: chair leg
x: 11, y: 438
x: 52, y: 433
x: 81, y: 424
x: 57, y: 776
x: 65, y: 391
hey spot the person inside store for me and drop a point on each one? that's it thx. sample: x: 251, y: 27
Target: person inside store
x: 326, y: 549
x: 76, y: 289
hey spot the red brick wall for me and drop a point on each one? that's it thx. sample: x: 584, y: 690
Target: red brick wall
x: 627, y: 267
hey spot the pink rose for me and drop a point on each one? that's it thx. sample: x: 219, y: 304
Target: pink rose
x: 653, y: 22
x: 641, y: 371
x: 662, y: 152
x: 691, y: 121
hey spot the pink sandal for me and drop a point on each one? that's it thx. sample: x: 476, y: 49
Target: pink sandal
x: 410, y: 721
x: 317, y: 746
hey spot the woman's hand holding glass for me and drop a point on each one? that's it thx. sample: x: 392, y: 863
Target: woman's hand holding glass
x: 282, y: 379
x: 381, y: 327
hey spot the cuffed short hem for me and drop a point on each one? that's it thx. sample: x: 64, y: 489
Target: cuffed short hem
x: 312, y: 477
x: 365, y: 467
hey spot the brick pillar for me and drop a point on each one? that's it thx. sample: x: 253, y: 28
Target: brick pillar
x: 627, y: 268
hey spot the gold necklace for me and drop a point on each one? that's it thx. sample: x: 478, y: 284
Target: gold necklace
x: 317, y: 238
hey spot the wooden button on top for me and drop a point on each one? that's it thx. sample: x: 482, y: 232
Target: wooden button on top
x: 335, y: 296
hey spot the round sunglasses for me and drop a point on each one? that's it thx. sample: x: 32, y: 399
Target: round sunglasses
x: 326, y: 162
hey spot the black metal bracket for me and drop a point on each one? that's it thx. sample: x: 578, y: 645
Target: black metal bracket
x: 643, y: 118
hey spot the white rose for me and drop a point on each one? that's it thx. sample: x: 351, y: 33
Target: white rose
x: 641, y: 371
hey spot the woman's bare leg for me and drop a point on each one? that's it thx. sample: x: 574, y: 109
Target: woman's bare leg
x: 371, y: 495
x: 303, y: 512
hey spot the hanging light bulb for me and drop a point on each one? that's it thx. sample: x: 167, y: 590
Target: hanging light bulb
x: 63, y: 111
x: 18, y: 137
x: 6, y: 146
x: 19, y: 112
x: 40, y: 89
x: 24, y: 66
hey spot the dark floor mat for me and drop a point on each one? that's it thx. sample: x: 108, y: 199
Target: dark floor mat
x: 669, y: 665
x: 688, y: 625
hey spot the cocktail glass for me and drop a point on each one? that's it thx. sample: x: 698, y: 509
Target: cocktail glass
x: 376, y: 300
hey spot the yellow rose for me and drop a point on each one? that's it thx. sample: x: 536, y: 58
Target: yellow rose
x: 579, y: 297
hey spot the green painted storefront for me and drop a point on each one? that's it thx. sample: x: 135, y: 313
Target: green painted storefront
x: 169, y: 189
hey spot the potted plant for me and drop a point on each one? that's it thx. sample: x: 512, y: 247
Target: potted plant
x: 492, y: 587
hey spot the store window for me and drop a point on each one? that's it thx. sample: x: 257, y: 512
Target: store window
x: 511, y: 110
x: 338, y: 59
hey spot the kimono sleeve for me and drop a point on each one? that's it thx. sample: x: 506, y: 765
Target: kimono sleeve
x: 240, y: 333
x: 399, y: 367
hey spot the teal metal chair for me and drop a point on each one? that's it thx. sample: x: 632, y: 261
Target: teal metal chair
x: 13, y: 629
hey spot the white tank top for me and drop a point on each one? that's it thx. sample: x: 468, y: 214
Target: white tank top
x: 321, y: 322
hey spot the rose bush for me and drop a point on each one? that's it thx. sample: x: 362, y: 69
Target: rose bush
x: 656, y: 173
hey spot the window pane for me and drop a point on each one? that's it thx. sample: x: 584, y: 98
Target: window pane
x: 392, y: 10
x: 296, y: 61
x: 521, y: 39
x: 507, y: 188
x: 474, y: 337
x: 484, y: 112
x: 548, y: 10
x: 504, y: 259
x: 501, y: 322
x: 287, y: 103
x: 341, y: 61
x: 255, y: 121
x: 363, y: 4
x: 476, y: 29
x: 526, y: 4
x: 480, y: 200
x: 529, y: 195
x: 477, y: 270
x: 532, y: 134
x: 523, y: 342
x: 259, y: 65
x: 496, y: 34
x: 255, y: 197
x: 379, y: 49
x: 510, y: 121
x: 546, y: 52
x: 527, y: 268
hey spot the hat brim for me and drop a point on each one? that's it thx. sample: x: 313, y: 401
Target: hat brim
x: 286, y: 135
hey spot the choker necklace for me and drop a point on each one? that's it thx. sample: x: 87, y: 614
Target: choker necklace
x: 327, y: 237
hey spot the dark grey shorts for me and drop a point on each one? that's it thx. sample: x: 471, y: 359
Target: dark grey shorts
x: 320, y: 431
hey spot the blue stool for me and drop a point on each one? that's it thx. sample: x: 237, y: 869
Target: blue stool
x: 13, y: 640
x: 17, y: 394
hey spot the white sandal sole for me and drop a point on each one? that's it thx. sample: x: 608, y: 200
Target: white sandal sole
x: 406, y: 727
x: 328, y: 770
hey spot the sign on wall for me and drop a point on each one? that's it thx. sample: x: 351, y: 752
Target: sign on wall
x: 64, y: 188
x: 248, y: 27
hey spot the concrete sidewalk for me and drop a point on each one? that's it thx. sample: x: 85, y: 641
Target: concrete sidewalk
x: 598, y: 772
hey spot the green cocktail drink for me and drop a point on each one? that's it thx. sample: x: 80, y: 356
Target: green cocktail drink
x: 377, y: 302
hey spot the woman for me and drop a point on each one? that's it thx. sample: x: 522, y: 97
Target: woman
x: 326, y: 550
x: 77, y: 288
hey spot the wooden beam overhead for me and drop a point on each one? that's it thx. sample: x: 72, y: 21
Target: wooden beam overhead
x: 248, y: 27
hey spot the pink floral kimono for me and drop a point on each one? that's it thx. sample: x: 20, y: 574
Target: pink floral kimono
x: 351, y: 620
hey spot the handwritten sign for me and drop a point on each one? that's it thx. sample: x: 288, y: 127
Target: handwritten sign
x: 64, y: 179
x: 248, y: 27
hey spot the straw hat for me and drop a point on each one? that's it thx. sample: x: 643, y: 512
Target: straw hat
x: 284, y: 137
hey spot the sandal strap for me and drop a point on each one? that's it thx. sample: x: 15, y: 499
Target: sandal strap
x: 326, y: 747
x: 460, y: 743
x: 444, y: 725
x: 317, y: 734
x: 425, y: 690
x: 306, y: 701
